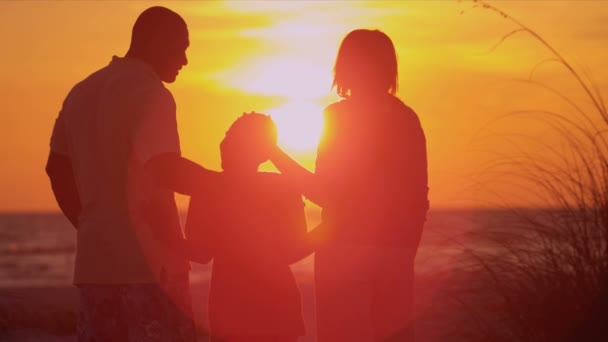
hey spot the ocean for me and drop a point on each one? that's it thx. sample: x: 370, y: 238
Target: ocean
x: 38, y: 301
x: 37, y: 249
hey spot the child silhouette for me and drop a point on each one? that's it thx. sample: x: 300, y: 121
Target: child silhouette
x: 253, y: 229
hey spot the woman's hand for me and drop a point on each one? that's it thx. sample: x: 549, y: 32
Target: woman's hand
x: 191, y: 252
x: 320, y: 235
x: 179, y: 246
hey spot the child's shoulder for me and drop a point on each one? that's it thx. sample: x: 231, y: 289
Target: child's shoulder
x: 276, y: 179
x: 279, y: 186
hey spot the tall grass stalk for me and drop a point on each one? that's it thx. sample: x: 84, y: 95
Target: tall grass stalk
x: 543, y: 273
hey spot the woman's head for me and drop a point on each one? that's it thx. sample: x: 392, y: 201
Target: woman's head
x: 245, y: 145
x: 366, y: 63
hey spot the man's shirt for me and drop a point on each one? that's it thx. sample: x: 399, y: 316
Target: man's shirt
x: 110, y: 125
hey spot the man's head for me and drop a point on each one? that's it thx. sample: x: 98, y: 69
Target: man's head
x: 244, y: 147
x: 160, y: 38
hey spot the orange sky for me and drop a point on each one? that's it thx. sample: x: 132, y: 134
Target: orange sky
x: 277, y: 57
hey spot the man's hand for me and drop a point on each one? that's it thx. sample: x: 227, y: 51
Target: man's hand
x: 181, y: 175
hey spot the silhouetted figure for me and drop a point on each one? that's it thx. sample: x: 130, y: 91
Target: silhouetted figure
x: 253, y: 229
x: 371, y: 181
x: 114, y: 165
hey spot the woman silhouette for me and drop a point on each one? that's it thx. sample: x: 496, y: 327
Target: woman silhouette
x: 371, y: 182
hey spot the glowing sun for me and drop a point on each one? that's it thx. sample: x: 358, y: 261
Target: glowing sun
x: 300, y: 124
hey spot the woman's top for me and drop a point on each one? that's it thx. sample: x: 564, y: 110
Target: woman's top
x: 253, y: 229
x: 372, y: 170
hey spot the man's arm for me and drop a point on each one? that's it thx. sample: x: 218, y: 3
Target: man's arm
x: 59, y: 170
x: 181, y: 175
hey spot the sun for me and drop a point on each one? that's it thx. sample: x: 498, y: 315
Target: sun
x: 300, y: 124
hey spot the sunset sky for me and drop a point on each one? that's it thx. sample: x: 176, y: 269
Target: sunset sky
x: 277, y: 57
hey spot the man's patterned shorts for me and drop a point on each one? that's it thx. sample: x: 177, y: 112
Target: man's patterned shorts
x: 136, y: 313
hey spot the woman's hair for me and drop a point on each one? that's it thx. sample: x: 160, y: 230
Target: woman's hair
x: 366, y: 61
x: 246, y: 139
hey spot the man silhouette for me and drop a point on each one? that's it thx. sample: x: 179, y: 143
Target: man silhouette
x: 114, y: 164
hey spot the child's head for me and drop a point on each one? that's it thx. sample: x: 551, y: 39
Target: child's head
x: 245, y: 145
x: 366, y: 63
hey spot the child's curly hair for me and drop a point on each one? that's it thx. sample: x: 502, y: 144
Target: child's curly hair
x: 247, y: 138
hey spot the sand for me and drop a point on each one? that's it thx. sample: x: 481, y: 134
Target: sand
x: 49, y: 313
x: 31, y: 314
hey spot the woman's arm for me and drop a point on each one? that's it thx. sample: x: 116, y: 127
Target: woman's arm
x: 303, y: 180
x: 312, y: 185
x: 298, y: 177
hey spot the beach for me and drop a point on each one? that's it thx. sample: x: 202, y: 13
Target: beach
x: 38, y: 302
x: 49, y: 313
